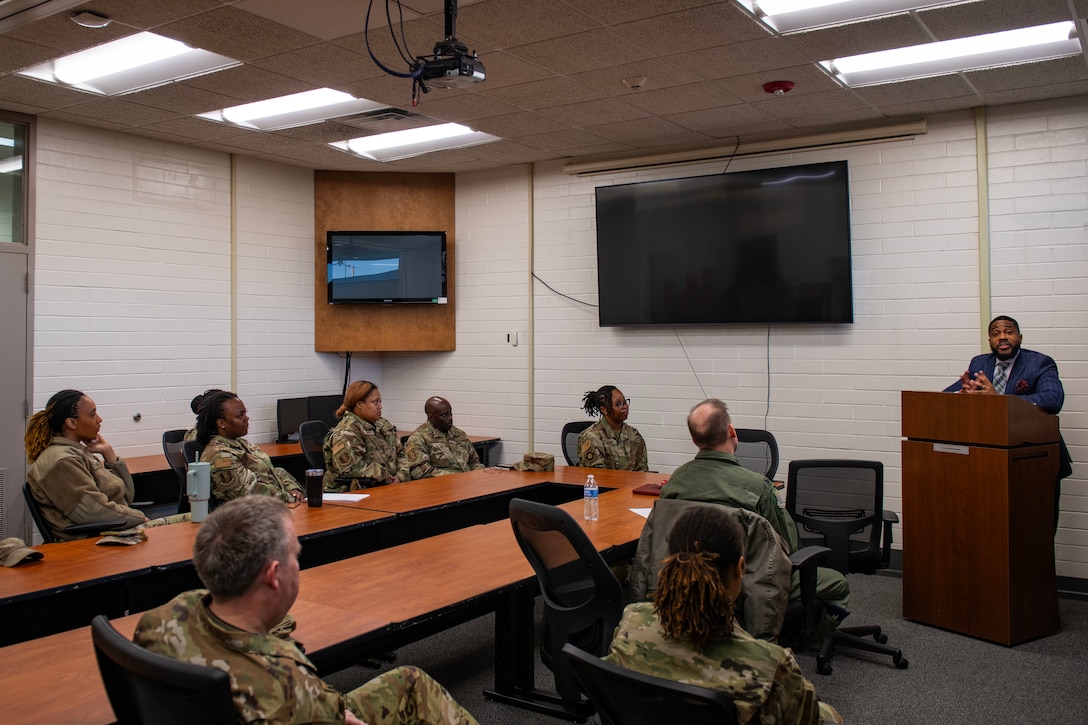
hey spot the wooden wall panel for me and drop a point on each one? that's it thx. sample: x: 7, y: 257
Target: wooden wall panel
x: 348, y: 201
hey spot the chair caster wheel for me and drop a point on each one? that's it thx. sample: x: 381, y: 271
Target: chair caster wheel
x: 881, y: 637
x: 901, y: 663
x: 823, y: 668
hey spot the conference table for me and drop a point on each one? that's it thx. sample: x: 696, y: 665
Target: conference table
x: 350, y: 609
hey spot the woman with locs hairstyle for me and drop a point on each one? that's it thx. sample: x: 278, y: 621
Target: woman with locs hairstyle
x: 71, y: 484
x: 689, y: 632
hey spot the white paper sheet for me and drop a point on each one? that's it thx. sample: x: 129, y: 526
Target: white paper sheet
x: 352, y: 497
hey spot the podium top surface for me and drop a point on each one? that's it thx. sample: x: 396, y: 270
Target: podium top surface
x: 988, y: 420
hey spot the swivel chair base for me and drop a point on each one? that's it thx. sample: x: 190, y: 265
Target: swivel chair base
x: 856, y: 638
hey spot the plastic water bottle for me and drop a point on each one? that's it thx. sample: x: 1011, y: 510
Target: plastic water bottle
x: 589, y: 499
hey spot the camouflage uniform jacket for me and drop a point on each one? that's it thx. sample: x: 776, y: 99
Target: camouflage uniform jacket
x: 763, y: 679
x: 190, y: 435
x: 600, y: 447
x: 271, y: 680
x: 356, y: 448
x: 240, y: 468
x: 430, y: 452
x: 73, y: 486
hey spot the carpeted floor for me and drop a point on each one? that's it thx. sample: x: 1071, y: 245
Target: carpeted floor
x: 952, y: 679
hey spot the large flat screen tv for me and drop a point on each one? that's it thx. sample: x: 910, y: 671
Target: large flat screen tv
x: 764, y: 246
x: 386, y: 267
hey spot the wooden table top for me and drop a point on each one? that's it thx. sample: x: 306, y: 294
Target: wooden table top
x: 57, y: 678
x: 443, y: 490
x: 431, y: 574
x: 73, y: 563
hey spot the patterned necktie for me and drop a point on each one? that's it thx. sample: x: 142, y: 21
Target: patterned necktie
x: 1000, y: 376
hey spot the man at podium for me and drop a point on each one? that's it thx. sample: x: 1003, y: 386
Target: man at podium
x: 1011, y: 370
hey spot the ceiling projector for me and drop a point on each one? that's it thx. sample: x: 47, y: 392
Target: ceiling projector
x: 452, y: 66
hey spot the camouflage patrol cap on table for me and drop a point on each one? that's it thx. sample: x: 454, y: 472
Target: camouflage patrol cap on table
x: 15, y: 551
x: 536, y: 462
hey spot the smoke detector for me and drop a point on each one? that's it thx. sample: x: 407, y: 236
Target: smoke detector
x: 778, y: 88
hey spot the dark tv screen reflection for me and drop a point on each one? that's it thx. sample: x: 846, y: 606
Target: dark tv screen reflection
x: 764, y: 246
x: 386, y: 267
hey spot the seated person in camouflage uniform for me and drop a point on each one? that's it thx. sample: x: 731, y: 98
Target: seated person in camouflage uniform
x: 190, y: 435
x: 239, y: 468
x: 364, y: 448
x: 610, y: 442
x: 69, y: 482
x: 246, y: 553
x: 689, y: 634
x: 438, y: 447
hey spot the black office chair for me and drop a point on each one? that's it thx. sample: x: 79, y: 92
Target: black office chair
x: 626, y: 697
x: 311, y: 436
x: 582, y: 599
x: 839, y: 504
x: 757, y: 451
x: 146, y: 688
x: 173, y: 442
x: 76, y: 530
x: 568, y: 439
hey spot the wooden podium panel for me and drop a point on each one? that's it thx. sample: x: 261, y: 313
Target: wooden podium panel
x: 978, y: 547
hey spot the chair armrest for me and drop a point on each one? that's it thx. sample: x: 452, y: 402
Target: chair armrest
x: 803, y: 557
x: 804, y: 563
x: 890, y: 517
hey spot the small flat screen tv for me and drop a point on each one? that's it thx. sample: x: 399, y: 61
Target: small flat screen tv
x: 386, y: 267
x: 764, y: 246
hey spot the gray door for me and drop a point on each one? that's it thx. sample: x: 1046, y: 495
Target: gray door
x: 13, y: 391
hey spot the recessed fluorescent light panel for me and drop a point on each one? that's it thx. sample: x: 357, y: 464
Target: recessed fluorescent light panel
x: 1010, y: 47
x: 787, y: 16
x: 297, y: 109
x: 130, y: 64
x: 415, y: 142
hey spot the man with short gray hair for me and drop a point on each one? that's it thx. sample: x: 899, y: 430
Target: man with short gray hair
x: 246, y: 553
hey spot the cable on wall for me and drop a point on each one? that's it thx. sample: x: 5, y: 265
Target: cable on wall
x: 553, y: 289
x: 690, y: 364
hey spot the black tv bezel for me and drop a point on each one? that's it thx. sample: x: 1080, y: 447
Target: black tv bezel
x: 848, y: 319
x: 440, y: 300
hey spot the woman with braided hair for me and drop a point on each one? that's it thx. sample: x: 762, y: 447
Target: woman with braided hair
x: 689, y: 634
x: 239, y: 468
x: 610, y: 442
x: 69, y: 482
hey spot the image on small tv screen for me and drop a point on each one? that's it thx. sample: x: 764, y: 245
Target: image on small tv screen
x: 386, y: 267
x: 763, y: 246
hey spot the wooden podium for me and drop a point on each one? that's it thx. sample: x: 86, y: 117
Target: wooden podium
x: 978, y: 515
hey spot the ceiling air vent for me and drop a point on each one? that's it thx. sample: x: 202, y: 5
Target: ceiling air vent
x: 385, y: 120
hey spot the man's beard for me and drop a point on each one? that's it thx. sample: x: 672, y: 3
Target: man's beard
x: 1007, y: 356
